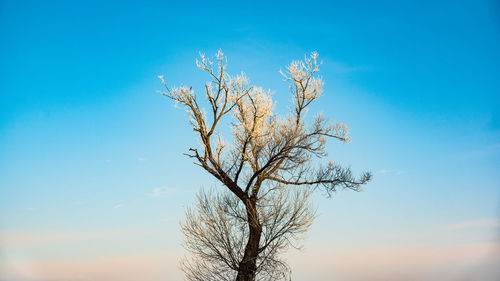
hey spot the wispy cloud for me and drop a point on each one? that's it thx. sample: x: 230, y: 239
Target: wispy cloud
x: 38, y: 238
x: 161, y: 191
x: 394, y: 172
x: 141, y: 159
x: 486, y: 151
x: 480, y: 223
x: 148, y: 266
x: 118, y: 206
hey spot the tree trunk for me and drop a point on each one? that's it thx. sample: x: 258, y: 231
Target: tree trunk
x: 248, y: 265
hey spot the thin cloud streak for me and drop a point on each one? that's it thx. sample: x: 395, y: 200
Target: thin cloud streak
x: 395, y: 172
x: 150, y: 266
x: 391, y: 263
x: 15, y: 238
x: 480, y: 223
x: 160, y: 191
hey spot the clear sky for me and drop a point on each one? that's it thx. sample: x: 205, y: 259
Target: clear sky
x: 93, y: 182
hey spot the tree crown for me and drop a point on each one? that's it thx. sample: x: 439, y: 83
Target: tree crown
x: 267, y: 148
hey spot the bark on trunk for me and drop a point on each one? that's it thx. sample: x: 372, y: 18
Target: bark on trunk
x: 248, y: 265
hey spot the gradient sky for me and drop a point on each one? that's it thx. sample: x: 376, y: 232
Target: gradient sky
x: 93, y: 182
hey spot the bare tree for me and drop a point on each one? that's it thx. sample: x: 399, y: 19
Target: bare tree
x: 216, y: 233
x: 268, y: 156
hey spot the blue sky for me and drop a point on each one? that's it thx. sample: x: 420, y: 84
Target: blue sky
x: 92, y: 174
